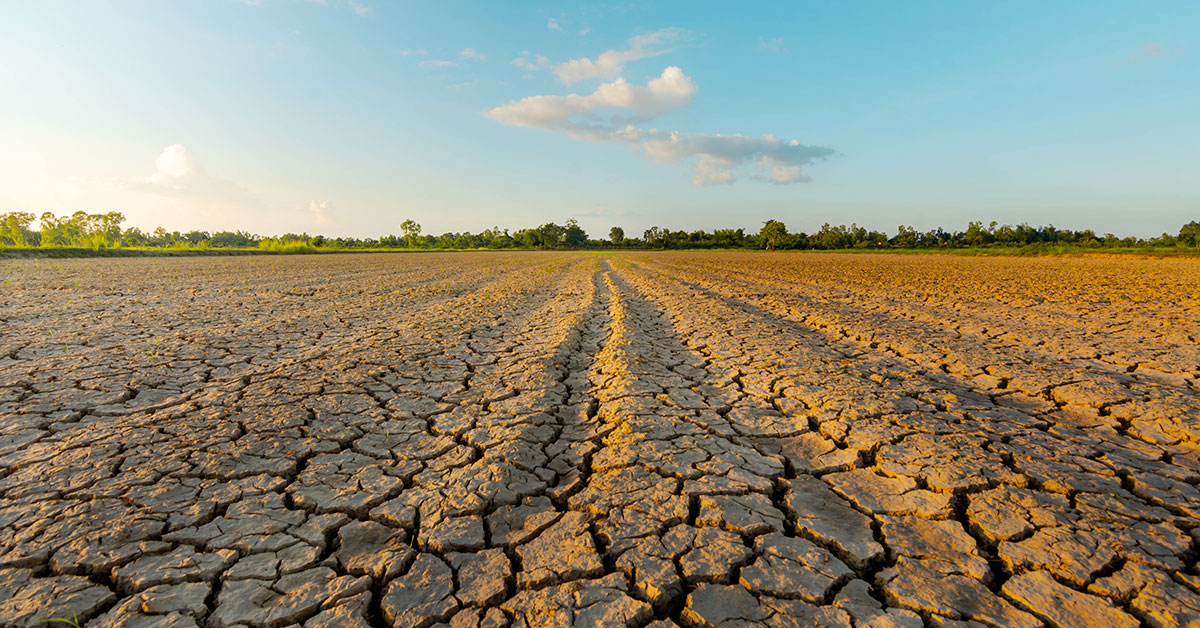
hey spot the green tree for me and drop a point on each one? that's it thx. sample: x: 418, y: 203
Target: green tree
x: 574, y: 234
x: 162, y: 238
x: 527, y: 238
x: 906, y: 237
x: 196, y: 237
x: 412, y: 231
x: 830, y: 237
x: 771, y: 232
x: 502, y: 241
x: 108, y: 227
x: 14, y: 229
x: 230, y: 239
x: 1189, y: 234
x: 55, y: 231
x: 549, y: 235
x: 977, y: 234
x: 133, y: 237
x: 616, y: 235
x: 656, y: 236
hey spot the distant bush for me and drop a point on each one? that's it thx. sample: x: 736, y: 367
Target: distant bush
x: 103, y: 232
x: 290, y: 246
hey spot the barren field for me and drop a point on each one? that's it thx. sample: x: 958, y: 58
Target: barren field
x: 562, y: 439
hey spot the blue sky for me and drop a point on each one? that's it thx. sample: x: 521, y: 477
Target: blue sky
x: 347, y: 117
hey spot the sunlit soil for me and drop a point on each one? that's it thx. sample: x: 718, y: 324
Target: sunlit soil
x: 640, y: 439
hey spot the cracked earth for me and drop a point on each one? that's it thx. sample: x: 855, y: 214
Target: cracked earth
x: 643, y: 440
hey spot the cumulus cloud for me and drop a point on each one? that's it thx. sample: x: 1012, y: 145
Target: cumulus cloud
x: 611, y: 63
x: 438, y: 63
x: 616, y: 110
x: 176, y: 175
x: 584, y: 116
x: 610, y: 113
x: 718, y: 155
x: 320, y: 213
x: 181, y: 192
x: 712, y: 170
x: 470, y: 54
x: 552, y: 24
x: 785, y: 174
x: 531, y: 62
x: 172, y: 166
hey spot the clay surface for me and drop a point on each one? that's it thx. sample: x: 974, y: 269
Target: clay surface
x: 571, y: 439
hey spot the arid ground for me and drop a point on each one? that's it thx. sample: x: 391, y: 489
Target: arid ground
x: 641, y: 439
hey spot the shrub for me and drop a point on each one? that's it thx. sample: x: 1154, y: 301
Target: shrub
x: 290, y: 246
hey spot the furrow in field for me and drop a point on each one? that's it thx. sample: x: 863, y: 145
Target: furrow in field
x: 259, y: 480
x: 688, y: 508
x: 963, y: 456
x: 1092, y: 329
x: 1084, y: 390
x: 537, y: 439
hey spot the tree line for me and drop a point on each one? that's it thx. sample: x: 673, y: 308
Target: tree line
x: 97, y: 231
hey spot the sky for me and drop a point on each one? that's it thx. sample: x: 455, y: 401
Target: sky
x: 346, y: 117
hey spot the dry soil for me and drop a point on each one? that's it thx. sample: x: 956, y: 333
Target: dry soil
x: 554, y: 439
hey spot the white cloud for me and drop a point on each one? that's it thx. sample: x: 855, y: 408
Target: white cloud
x: 438, y: 63
x: 320, y: 213
x: 179, y: 193
x: 173, y: 165
x: 464, y: 84
x: 611, y: 63
x: 470, y: 54
x: 774, y: 45
x: 414, y: 52
x: 719, y: 155
x: 552, y: 24
x: 711, y: 170
x: 610, y: 112
x: 193, y: 195
x: 527, y: 61
x: 580, y: 116
x: 788, y: 174
x: 177, y: 175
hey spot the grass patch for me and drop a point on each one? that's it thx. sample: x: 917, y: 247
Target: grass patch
x: 292, y: 247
